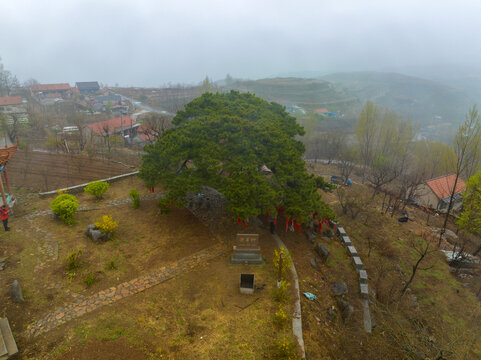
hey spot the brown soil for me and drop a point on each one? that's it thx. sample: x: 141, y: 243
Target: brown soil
x: 45, y: 171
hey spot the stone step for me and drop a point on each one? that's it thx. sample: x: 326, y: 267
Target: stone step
x: 8, y: 339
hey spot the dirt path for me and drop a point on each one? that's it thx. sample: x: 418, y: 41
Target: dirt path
x: 88, y: 304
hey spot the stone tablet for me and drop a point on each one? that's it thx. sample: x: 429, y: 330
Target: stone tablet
x: 341, y: 231
x: 247, y: 243
x: 246, y: 250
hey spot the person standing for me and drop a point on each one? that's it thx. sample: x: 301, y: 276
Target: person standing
x: 4, y: 216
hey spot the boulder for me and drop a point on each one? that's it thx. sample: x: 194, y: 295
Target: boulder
x: 322, y: 250
x: 346, y: 309
x: 3, y: 263
x: 16, y: 292
x: 96, y: 235
x: 314, y: 263
x: 311, y: 236
x: 339, y: 288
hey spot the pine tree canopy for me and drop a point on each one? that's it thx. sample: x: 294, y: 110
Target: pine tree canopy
x: 223, y: 141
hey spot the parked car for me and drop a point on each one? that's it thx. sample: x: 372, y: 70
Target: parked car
x: 339, y: 180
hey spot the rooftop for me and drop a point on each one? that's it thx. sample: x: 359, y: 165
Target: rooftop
x: 50, y: 87
x: 10, y: 100
x: 113, y: 125
x: 443, y: 186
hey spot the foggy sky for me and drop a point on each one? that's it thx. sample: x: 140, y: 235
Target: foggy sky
x: 151, y: 43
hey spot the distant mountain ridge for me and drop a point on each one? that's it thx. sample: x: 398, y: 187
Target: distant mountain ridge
x: 413, y: 97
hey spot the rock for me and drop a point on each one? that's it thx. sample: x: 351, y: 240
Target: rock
x: 339, y: 288
x: 97, y: 236
x: 311, y: 237
x: 322, y: 250
x: 3, y: 263
x: 16, y: 292
x: 346, y: 309
x: 329, y: 233
x: 314, y: 263
x: 331, y: 314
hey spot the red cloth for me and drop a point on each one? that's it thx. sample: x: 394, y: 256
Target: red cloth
x: 3, y: 214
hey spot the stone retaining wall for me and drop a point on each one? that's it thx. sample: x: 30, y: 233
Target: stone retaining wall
x: 79, y: 188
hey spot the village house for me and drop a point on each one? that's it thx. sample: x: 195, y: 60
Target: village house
x: 436, y: 193
x: 14, y: 108
x: 87, y: 87
x: 123, y: 126
x: 60, y: 91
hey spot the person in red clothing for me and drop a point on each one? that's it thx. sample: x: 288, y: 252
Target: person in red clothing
x: 4, y: 216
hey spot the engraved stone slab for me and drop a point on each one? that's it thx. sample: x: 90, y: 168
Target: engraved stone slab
x: 247, y: 243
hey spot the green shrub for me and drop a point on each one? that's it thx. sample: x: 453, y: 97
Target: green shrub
x: 97, y: 188
x: 73, y: 260
x: 111, y: 265
x: 65, y: 206
x: 134, y: 195
x: 281, y: 318
x: 106, y: 224
x: 281, y: 292
x: 284, y: 348
x: 90, y: 279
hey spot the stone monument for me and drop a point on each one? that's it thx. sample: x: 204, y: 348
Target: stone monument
x: 246, y: 250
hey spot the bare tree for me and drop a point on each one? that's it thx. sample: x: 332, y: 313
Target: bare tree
x: 467, y: 147
x: 421, y: 248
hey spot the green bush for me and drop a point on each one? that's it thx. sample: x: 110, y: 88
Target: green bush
x: 73, y: 260
x: 65, y: 206
x: 111, y: 265
x: 281, y: 318
x: 97, y: 188
x: 134, y: 195
x: 284, y: 348
x: 281, y: 292
x: 90, y: 279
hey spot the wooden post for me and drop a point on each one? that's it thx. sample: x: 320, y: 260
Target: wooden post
x: 3, y: 192
x: 7, y: 181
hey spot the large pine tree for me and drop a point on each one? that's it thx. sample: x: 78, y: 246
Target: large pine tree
x: 223, y: 141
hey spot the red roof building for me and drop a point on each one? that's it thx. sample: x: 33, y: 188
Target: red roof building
x: 443, y: 186
x: 321, y: 111
x: 121, y: 124
x: 435, y: 193
x: 50, y: 87
x: 10, y: 100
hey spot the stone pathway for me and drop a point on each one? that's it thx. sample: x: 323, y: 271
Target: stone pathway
x: 88, y: 304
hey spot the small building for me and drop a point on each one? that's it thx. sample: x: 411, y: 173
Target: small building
x: 14, y: 109
x: 124, y: 126
x: 436, y: 193
x: 87, y: 87
x: 49, y: 90
x: 10, y: 101
x: 321, y: 111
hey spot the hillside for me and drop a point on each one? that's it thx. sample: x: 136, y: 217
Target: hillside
x: 308, y: 93
x: 413, y: 97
